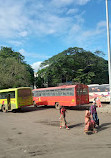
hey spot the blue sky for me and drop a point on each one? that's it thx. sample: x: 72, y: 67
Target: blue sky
x: 39, y: 29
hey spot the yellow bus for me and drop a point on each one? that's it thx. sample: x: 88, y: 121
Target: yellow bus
x: 15, y: 98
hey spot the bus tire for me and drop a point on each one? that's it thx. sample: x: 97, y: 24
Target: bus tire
x: 4, y: 108
x: 57, y: 106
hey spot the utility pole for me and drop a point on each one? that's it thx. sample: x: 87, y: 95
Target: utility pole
x: 108, y: 42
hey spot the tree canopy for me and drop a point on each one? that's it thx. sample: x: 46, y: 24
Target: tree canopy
x: 14, y: 72
x: 73, y: 65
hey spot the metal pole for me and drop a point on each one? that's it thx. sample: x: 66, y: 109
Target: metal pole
x: 108, y: 42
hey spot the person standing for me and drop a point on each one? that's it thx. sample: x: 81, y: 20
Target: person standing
x: 63, y: 122
x: 94, y: 113
x: 98, y: 102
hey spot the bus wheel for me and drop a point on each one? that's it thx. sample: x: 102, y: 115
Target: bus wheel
x: 57, y: 106
x: 4, y: 109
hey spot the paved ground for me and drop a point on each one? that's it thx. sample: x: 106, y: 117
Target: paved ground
x: 105, y: 108
x: 35, y: 133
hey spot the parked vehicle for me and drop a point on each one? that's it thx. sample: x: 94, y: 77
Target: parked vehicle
x: 15, y: 98
x: 66, y: 95
x: 101, y: 91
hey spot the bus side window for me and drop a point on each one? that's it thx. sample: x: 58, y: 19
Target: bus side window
x: 91, y: 89
x: 61, y: 92
x: 43, y: 93
x: 39, y: 93
x: 67, y: 92
x: 48, y: 94
x: 64, y: 92
x: 58, y: 92
x: 85, y: 91
x: 4, y: 95
x: 12, y: 94
x: 34, y: 93
x: 71, y: 91
x: 52, y: 93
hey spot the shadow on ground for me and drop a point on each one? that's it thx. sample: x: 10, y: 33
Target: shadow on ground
x: 31, y: 109
x: 76, y: 125
x: 104, y: 126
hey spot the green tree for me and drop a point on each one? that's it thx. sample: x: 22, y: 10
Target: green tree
x: 6, y: 52
x: 14, y: 71
x: 74, y: 65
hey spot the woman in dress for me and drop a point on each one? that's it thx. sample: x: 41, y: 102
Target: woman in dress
x: 89, y: 124
x: 63, y: 122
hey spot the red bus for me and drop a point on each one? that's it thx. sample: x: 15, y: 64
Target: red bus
x: 66, y: 95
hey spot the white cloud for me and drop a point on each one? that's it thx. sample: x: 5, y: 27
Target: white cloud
x: 36, y: 66
x: 79, y: 18
x: 15, y: 42
x: 82, y: 2
x: 85, y: 37
x: 12, y: 19
x: 99, y: 30
x: 23, y: 33
x: 72, y: 11
x: 39, y: 18
x: 75, y: 29
x: 22, y: 18
x: 59, y: 3
x: 23, y: 52
x: 52, y: 25
x: 6, y: 15
x: 34, y: 55
x: 101, y: 24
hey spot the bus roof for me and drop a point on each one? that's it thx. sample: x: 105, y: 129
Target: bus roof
x: 59, y: 87
x: 14, y: 89
x: 91, y: 85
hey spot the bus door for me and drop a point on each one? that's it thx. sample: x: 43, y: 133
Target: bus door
x: 78, y: 96
x: 82, y: 96
x: 85, y: 95
x: 8, y: 101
